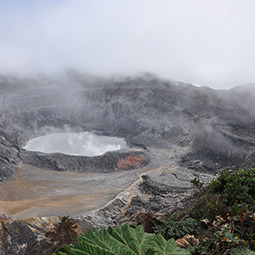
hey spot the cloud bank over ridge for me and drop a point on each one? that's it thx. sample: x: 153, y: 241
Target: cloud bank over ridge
x: 208, y: 43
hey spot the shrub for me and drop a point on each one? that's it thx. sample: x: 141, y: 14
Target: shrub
x: 173, y: 228
x: 238, y: 186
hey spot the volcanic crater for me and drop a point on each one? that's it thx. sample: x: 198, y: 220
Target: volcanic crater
x: 174, y: 131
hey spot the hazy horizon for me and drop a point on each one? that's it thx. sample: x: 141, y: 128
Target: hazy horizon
x: 206, y: 43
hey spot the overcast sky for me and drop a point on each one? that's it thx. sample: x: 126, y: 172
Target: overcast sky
x: 204, y: 42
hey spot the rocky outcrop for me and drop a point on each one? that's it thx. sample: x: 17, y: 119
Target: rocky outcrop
x: 8, y: 159
x: 158, y: 192
x: 26, y: 237
x: 40, y: 236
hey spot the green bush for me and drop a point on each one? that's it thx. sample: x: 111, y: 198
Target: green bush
x: 173, y: 228
x: 231, y: 198
x: 238, y: 186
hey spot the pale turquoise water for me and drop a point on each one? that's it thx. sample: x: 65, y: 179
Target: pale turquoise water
x: 79, y: 144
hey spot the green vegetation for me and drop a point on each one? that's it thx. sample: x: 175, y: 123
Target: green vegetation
x: 170, y: 228
x: 122, y: 241
x: 238, y: 187
x: 221, y: 220
x: 225, y: 211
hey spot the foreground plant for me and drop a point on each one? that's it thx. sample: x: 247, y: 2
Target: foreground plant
x: 173, y: 228
x: 122, y: 240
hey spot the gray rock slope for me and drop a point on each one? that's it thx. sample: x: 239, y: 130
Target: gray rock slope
x: 214, y: 128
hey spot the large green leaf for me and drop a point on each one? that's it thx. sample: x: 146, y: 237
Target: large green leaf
x: 122, y: 240
x: 163, y: 247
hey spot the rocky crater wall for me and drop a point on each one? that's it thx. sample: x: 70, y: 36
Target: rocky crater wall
x: 213, y: 127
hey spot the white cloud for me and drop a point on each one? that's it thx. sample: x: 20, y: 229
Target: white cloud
x: 204, y: 42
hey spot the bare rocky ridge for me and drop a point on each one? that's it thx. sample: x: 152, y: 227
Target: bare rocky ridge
x: 176, y: 132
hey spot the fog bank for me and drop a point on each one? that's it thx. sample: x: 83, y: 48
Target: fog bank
x: 207, y: 43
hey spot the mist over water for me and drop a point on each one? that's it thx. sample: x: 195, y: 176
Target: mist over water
x: 77, y: 144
